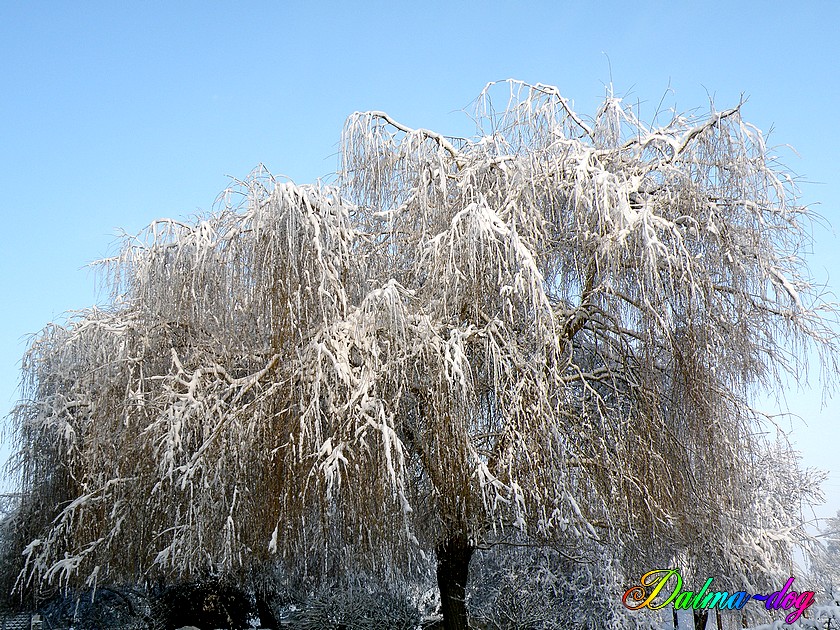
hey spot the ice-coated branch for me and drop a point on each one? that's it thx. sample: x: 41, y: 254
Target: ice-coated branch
x: 432, y: 135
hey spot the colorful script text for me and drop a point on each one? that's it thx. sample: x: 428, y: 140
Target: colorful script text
x: 663, y: 587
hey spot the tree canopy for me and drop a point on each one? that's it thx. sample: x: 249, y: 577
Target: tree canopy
x: 549, y: 332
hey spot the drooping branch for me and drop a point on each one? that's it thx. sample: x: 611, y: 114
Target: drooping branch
x: 432, y: 135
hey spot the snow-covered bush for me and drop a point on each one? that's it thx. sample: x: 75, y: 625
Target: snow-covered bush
x: 346, y: 608
x: 526, y: 588
x: 118, y: 607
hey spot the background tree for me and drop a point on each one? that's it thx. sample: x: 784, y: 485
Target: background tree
x: 548, y: 332
x: 825, y: 560
x: 754, y: 549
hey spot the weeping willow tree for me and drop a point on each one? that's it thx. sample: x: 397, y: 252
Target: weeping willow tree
x: 547, y: 333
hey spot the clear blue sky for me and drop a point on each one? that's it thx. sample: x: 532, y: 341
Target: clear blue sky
x: 113, y: 114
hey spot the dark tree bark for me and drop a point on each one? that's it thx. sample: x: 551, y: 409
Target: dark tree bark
x: 676, y: 619
x: 267, y: 618
x: 207, y: 604
x: 453, y: 565
x: 700, y: 619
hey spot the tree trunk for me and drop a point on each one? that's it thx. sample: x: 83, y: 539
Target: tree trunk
x: 267, y: 618
x: 700, y: 619
x: 453, y: 565
x: 676, y: 619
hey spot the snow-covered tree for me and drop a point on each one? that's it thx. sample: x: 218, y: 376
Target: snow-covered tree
x: 825, y: 561
x: 757, y: 537
x: 549, y: 331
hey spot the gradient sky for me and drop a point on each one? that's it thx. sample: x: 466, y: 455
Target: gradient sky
x: 114, y: 114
